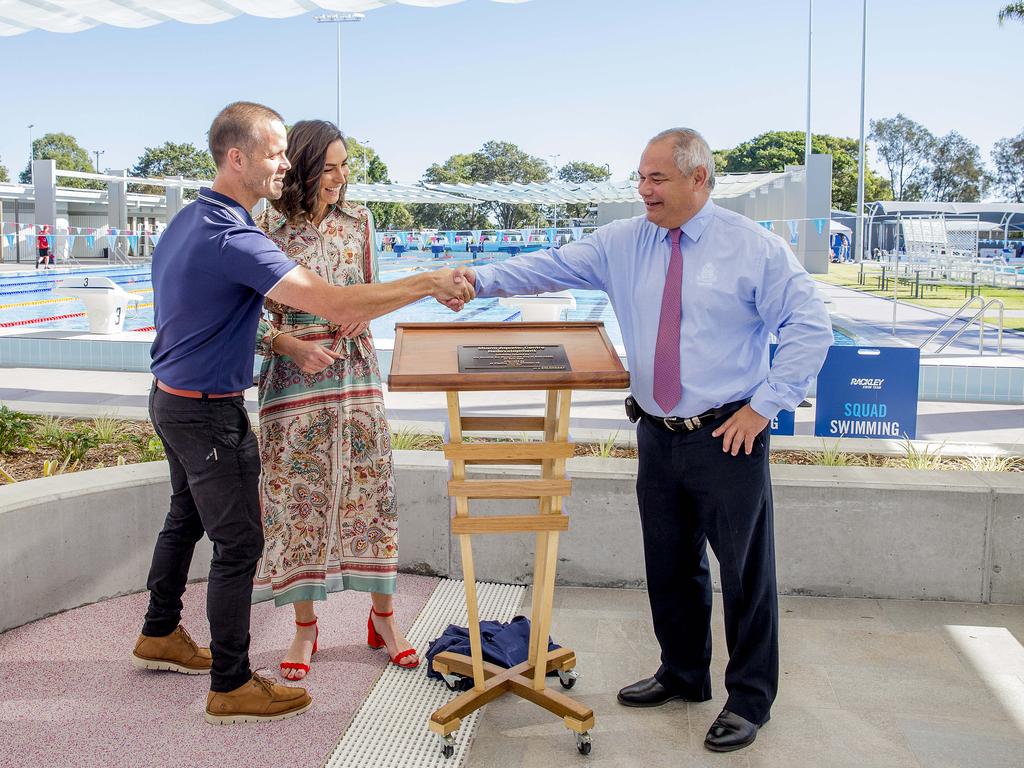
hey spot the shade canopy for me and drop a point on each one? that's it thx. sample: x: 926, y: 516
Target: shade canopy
x: 20, y: 16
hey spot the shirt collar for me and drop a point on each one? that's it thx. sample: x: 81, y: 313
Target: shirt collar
x: 695, y: 227
x: 237, y: 210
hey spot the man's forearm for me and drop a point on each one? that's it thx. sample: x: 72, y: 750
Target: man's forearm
x: 347, y: 304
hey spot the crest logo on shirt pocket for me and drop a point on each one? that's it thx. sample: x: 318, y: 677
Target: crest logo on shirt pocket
x: 708, y: 275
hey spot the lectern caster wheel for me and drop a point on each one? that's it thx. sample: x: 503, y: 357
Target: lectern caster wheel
x: 447, y: 746
x: 568, y: 679
x: 584, y: 742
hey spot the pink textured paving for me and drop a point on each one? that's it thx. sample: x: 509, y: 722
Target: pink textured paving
x: 70, y: 696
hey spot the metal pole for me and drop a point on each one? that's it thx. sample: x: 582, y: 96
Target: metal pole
x: 860, y: 160
x: 32, y: 154
x: 896, y: 270
x: 807, y: 139
x: 338, y: 27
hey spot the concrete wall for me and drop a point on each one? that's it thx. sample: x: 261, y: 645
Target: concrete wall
x: 843, y: 532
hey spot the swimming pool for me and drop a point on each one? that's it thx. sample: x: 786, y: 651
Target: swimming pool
x: 27, y: 301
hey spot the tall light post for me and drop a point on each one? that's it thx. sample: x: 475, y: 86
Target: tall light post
x: 860, y: 159
x: 810, y: 27
x: 554, y: 165
x: 98, y: 152
x: 31, y: 153
x: 338, y: 19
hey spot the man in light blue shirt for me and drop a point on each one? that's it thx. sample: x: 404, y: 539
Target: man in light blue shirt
x: 697, y: 291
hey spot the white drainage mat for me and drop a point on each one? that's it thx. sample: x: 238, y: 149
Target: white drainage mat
x: 390, y: 728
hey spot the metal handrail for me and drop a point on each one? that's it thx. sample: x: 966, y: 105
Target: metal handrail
x: 979, y: 316
x: 952, y: 319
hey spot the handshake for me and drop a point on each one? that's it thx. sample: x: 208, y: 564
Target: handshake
x: 453, y: 287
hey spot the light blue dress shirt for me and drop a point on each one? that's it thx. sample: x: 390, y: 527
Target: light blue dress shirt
x: 740, y: 284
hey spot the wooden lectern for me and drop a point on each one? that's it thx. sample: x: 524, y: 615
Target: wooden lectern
x: 501, y: 357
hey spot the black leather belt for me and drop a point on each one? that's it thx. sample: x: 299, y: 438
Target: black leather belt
x: 692, y: 423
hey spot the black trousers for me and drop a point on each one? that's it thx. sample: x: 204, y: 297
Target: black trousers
x: 215, y: 469
x: 690, y: 493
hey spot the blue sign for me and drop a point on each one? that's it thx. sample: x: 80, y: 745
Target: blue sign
x: 785, y: 422
x: 868, y: 392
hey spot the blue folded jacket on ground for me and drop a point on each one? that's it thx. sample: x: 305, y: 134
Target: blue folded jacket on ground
x: 504, y: 644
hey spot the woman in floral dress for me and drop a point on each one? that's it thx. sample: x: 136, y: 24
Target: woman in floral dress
x: 328, y: 492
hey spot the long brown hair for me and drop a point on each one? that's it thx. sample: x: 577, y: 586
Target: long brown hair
x: 308, y: 141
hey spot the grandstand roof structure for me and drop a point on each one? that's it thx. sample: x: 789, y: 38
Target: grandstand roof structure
x: 66, y: 16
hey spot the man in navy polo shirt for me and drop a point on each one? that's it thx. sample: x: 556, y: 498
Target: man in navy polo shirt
x: 211, y: 271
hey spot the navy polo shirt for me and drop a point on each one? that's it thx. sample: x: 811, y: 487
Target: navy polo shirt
x: 211, y: 270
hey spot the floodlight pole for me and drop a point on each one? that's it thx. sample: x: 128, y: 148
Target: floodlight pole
x: 807, y: 138
x: 338, y: 19
x: 98, y: 152
x: 860, y: 159
x: 31, y: 154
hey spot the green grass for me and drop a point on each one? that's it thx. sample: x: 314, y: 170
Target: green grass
x: 845, y: 275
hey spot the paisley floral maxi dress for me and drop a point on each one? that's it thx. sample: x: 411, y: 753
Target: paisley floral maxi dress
x: 327, y: 488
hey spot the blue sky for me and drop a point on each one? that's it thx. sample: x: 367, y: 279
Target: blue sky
x: 581, y: 79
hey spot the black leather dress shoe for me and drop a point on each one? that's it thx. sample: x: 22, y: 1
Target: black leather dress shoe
x: 648, y: 693
x: 730, y: 732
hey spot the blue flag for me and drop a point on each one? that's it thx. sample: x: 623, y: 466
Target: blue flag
x: 794, y: 231
x: 49, y: 242
x: 133, y: 241
x: 10, y: 240
x: 154, y: 238
x: 819, y: 224
x: 577, y: 233
x: 90, y: 240
x: 476, y: 235
x: 551, y: 235
x: 71, y: 243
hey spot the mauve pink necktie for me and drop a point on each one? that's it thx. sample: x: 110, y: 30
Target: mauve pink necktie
x: 667, y: 388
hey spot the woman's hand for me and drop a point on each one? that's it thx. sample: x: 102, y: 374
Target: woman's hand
x: 309, y: 356
x: 353, y: 330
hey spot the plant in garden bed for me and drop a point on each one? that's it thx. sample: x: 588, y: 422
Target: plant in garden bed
x: 921, y: 458
x: 107, y: 429
x: 48, y: 428
x: 75, y: 443
x: 16, y: 430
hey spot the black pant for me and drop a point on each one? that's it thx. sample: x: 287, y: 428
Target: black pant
x: 215, y: 469
x: 690, y: 493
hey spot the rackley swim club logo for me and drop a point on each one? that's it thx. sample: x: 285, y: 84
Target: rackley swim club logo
x: 867, y: 383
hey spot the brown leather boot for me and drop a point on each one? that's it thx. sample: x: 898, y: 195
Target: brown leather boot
x: 176, y: 652
x: 257, y: 701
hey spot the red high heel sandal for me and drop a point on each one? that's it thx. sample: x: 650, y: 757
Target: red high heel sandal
x: 374, y: 640
x: 304, y: 668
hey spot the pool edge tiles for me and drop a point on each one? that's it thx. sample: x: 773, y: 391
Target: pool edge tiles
x: 128, y: 352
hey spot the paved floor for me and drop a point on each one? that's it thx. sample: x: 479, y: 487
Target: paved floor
x: 864, y: 683
x: 871, y: 318
x: 594, y: 413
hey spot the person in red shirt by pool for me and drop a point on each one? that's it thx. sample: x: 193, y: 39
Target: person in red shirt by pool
x: 43, y: 247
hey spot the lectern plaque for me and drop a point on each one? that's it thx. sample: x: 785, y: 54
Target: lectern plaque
x: 519, y: 358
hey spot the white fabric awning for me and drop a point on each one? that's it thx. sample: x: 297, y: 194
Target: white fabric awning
x: 20, y: 16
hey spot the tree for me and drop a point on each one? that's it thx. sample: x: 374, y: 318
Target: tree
x: 905, y: 148
x: 956, y: 175
x: 3, y: 173
x: 1011, y: 11
x: 1008, y: 156
x: 172, y: 159
x: 65, y: 149
x: 774, y: 150
x: 366, y: 166
x: 505, y: 163
x: 455, y: 170
x: 580, y: 172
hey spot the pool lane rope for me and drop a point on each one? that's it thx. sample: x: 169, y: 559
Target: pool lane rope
x: 32, y: 321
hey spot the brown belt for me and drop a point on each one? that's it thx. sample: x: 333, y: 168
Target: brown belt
x: 193, y: 393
